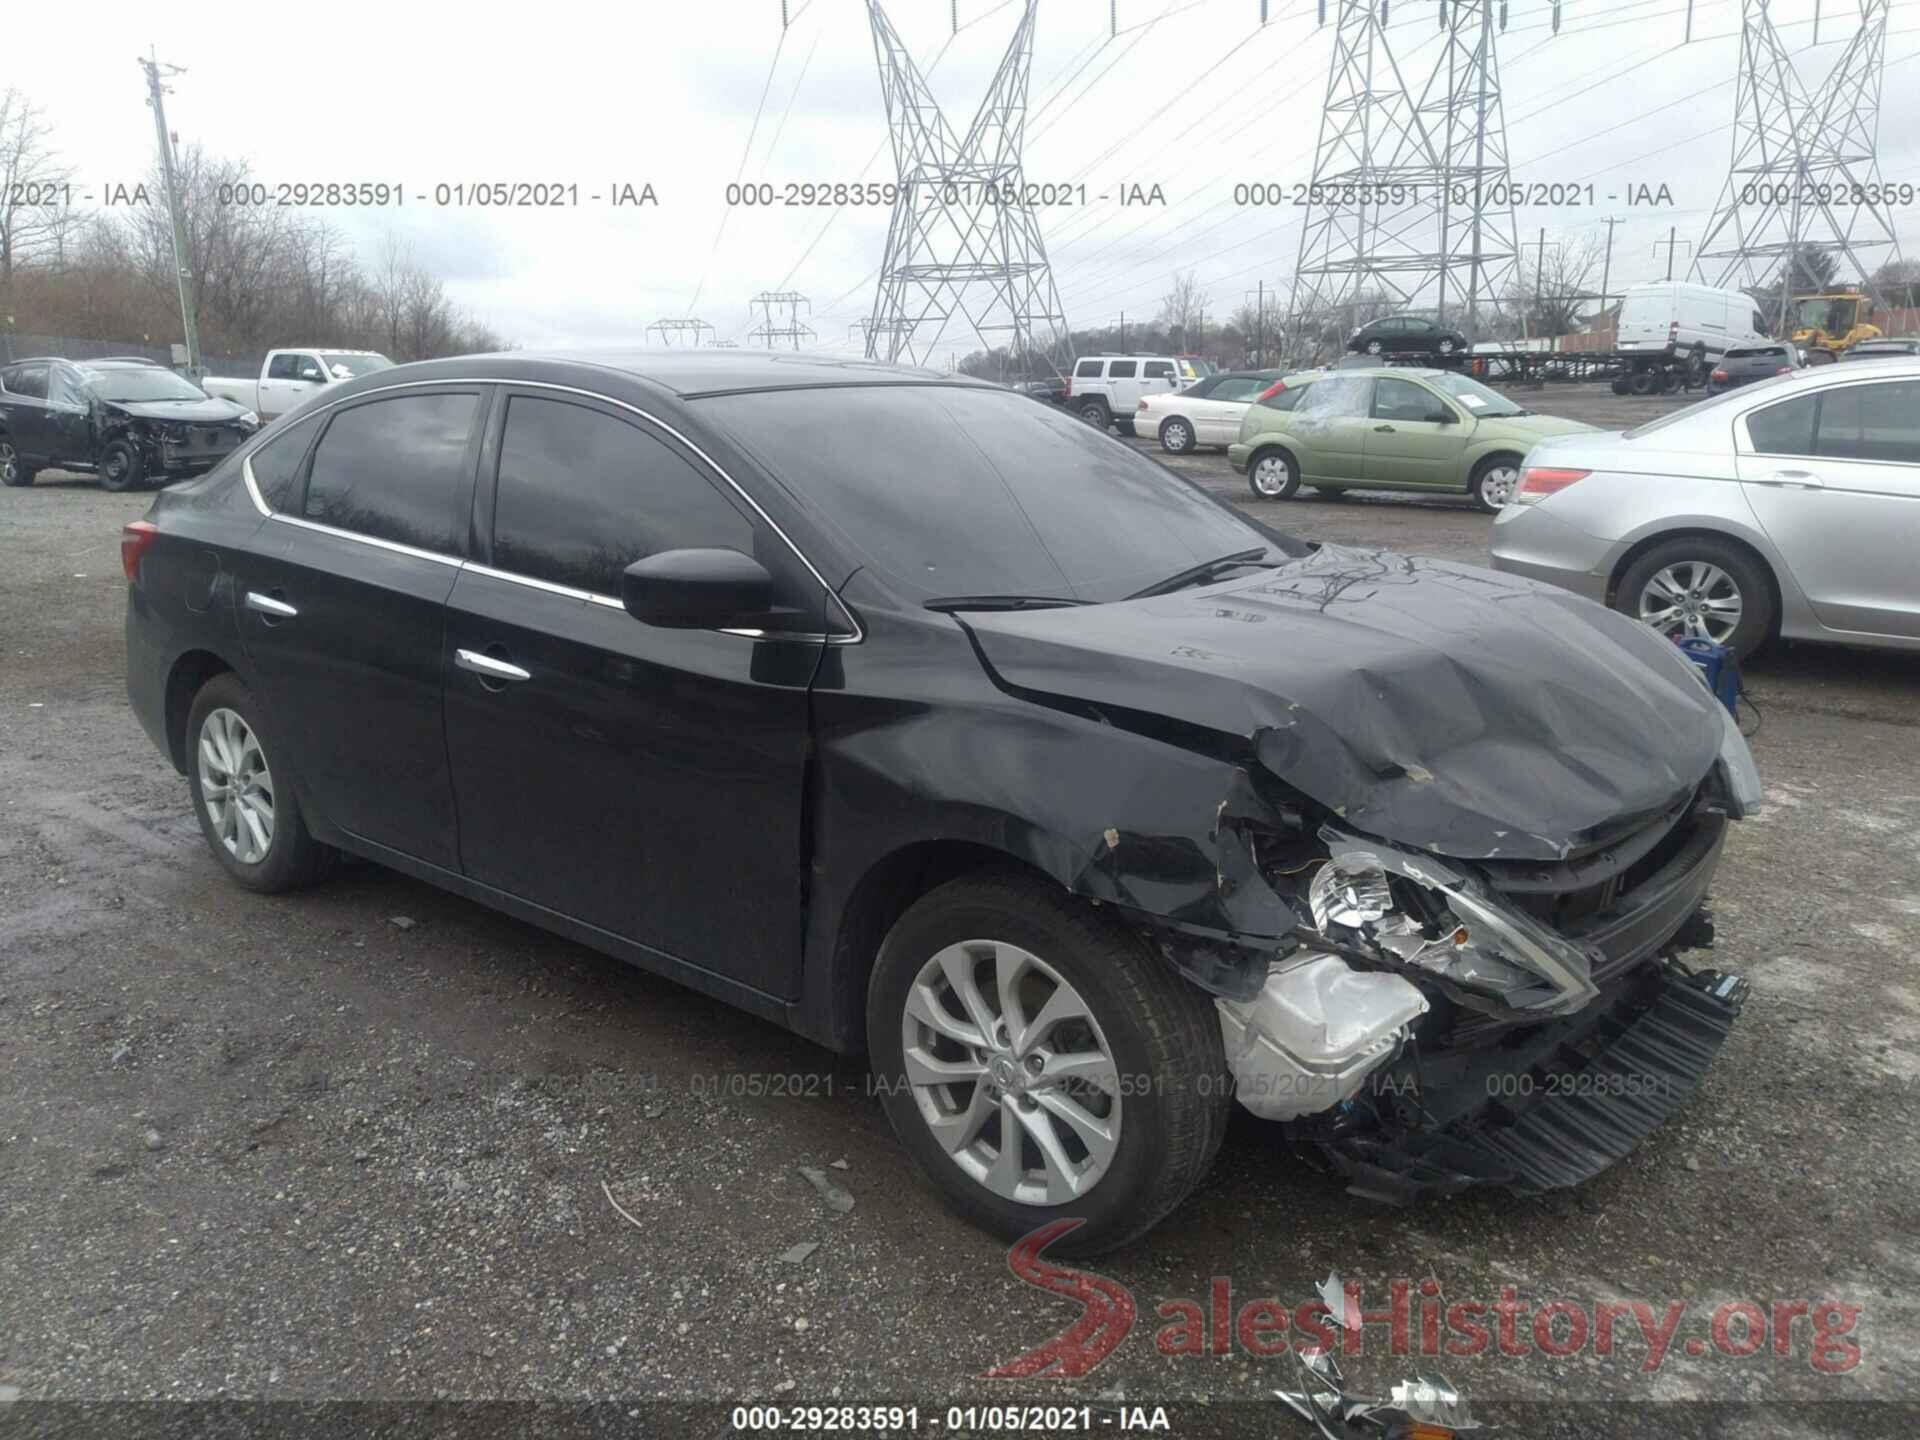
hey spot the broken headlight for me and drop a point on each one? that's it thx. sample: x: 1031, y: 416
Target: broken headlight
x: 1416, y: 914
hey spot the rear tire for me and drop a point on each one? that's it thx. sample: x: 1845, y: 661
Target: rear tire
x: 122, y: 467
x: 243, y: 794
x: 1119, y: 1155
x: 1176, y: 436
x: 1095, y: 413
x: 13, y: 470
x: 1621, y: 385
x: 1683, y: 587
x: 1273, y: 475
x: 1643, y: 382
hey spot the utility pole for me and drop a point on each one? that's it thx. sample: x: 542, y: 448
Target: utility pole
x: 1606, y: 268
x: 156, y: 92
x: 1123, y: 332
x: 1670, y: 244
x: 1260, y: 324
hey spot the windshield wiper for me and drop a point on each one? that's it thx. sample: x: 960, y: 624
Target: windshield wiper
x: 947, y: 604
x: 1199, y: 574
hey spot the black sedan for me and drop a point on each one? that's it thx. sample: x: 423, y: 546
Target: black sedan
x: 932, y: 723
x: 1392, y: 335
x: 130, y: 422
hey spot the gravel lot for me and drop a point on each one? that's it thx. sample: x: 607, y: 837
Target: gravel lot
x: 365, y: 1141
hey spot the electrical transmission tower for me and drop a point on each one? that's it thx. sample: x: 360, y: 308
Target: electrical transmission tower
x: 1805, y: 172
x: 1410, y: 206
x: 962, y: 243
x: 671, y: 332
x: 793, y: 331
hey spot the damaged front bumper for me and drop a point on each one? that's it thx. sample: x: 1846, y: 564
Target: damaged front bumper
x: 1574, y: 1100
x: 1407, y: 1081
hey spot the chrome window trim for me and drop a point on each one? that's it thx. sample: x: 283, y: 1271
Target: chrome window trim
x: 253, y: 490
x: 374, y: 540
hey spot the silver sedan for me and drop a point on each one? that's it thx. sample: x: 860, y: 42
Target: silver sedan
x: 1788, y: 508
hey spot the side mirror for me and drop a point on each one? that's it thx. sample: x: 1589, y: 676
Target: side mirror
x: 696, y: 589
x: 1442, y: 417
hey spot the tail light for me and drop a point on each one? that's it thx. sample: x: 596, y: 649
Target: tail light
x: 1784, y: 370
x: 1720, y: 375
x: 1673, y: 331
x: 1537, y: 482
x: 1141, y: 406
x: 136, y: 538
x: 1272, y: 390
x: 1069, y: 394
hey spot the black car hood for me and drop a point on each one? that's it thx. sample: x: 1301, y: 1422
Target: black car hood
x: 208, y: 411
x: 1442, y: 706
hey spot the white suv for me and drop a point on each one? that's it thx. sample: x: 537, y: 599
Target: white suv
x: 1106, y: 389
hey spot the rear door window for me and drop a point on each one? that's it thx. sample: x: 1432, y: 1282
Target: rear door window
x: 582, y: 494
x: 1784, y: 429
x: 1235, y: 387
x: 276, y: 463
x: 396, y: 470
x: 1337, y: 397
x: 28, y: 380
x: 1121, y: 370
x: 1871, y: 422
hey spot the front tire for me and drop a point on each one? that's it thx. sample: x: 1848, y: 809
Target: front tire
x: 1273, y: 475
x: 1176, y: 436
x: 1697, y: 587
x: 246, y: 806
x: 1494, y: 481
x: 122, y: 467
x: 1001, y: 1009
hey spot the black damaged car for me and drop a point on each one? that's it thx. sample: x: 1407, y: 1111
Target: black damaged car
x: 931, y: 723
x: 129, y: 421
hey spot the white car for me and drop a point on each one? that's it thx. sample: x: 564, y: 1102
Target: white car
x: 1208, y: 412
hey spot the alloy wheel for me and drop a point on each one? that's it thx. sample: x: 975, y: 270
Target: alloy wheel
x: 1011, y: 1073
x: 236, y: 786
x: 9, y: 464
x: 1270, y: 476
x: 1498, y: 485
x: 1692, y: 598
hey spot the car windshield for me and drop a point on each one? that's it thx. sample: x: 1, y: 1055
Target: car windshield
x: 352, y: 367
x: 955, y: 491
x: 141, y: 382
x: 1476, y: 397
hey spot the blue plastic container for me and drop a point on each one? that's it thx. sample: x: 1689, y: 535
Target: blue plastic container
x: 1718, y: 669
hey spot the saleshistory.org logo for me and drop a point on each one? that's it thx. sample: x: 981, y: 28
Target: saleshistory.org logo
x: 1416, y: 1320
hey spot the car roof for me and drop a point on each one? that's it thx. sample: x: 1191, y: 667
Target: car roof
x: 692, y: 371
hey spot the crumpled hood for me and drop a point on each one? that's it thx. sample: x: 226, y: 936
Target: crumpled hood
x: 209, y: 411
x: 1437, y: 705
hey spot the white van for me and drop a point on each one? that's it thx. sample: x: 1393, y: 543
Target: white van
x: 1673, y: 317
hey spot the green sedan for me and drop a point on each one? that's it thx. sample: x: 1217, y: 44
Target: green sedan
x: 1389, y: 429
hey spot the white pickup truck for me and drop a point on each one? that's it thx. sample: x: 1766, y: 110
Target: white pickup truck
x: 290, y: 376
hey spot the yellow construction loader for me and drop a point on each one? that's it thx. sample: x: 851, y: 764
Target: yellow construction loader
x: 1826, y: 326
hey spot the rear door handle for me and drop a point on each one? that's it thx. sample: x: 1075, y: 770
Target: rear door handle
x: 488, y: 668
x: 268, y: 605
x: 1383, y: 430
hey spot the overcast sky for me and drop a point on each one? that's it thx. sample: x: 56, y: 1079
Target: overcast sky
x: 667, y: 94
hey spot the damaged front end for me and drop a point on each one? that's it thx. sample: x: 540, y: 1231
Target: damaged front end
x: 1428, y: 1024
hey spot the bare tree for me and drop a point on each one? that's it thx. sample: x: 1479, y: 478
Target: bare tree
x: 32, y: 209
x: 1181, y: 307
x: 1552, y: 292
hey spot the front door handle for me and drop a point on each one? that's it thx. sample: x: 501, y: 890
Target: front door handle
x: 270, y: 606
x: 488, y: 668
x: 1383, y: 430
x: 1796, y: 479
